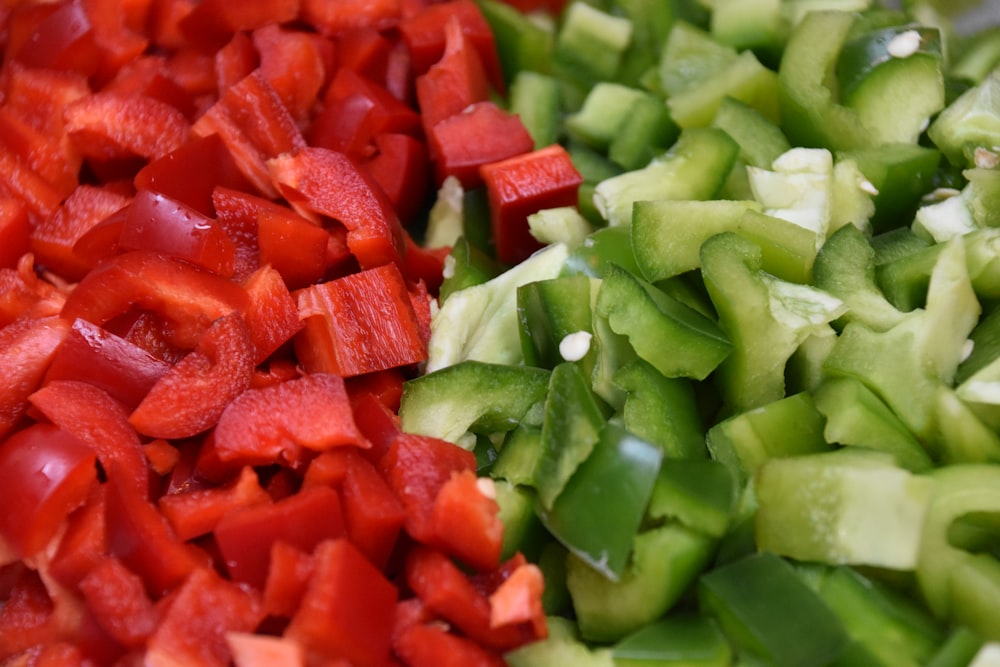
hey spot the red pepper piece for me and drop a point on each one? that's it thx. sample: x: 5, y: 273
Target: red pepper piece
x: 197, y: 512
x: 373, y: 514
x: 150, y: 75
x: 117, y: 42
x: 385, y: 386
x: 27, y: 617
x: 416, y: 467
x: 162, y: 456
x: 424, y: 35
x: 364, y: 50
x: 111, y: 126
x: 195, y: 622
x: 359, y: 324
x: 454, y: 82
x: 62, y: 40
x: 480, y: 134
x: 212, y: 22
x: 191, y: 173
x: 320, y: 181
x: 234, y: 61
x: 83, y: 545
x: 302, y: 520
x: 100, y: 422
x: 47, y: 473
x: 40, y: 96
x: 348, y: 608
x: 399, y: 165
x: 273, y: 424
x: 260, y: 650
x: 431, y: 645
x: 15, y: 229
x: 53, y: 160
x: 273, y: 316
x: 188, y: 297
x: 236, y: 212
x: 97, y: 357
x: 54, y: 239
x: 190, y: 397
x: 292, y: 62
x: 377, y: 421
x: 466, y: 521
x: 518, y: 600
x: 287, y: 578
x: 141, y: 538
x: 295, y: 247
x: 117, y: 598
x: 255, y: 125
x: 336, y: 18
x: 26, y: 349
x: 19, y: 180
x: 522, y: 185
x: 25, y: 295
x: 157, y: 223
x: 329, y: 468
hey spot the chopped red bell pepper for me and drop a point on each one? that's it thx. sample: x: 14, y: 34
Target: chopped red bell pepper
x: 466, y: 521
x: 430, y: 645
x: 117, y: 597
x: 55, y: 161
x: 15, y: 229
x: 399, y: 165
x: 377, y: 421
x: 234, y: 61
x: 196, y: 512
x: 150, y: 75
x: 518, y: 600
x: 319, y: 181
x: 293, y: 246
x: 347, y: 609
x: 454, y: 82
x: 287, y: 577
x: 210, y: 23
x: 27, y: 617
x: 522, y: 185
x: 272, y: 316
x: 117, y: 42
x: 62, y: 39
x: 373, y: 515
x: 83, y: 544
x: 336, y: 18
x: 361, y: 323
x: 364, y: 50
x: 292, y: 61
x: 20, y: 180
x: 259, y: 650
x: 26, y: 349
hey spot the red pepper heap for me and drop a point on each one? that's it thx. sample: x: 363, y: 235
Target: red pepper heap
x: 209, y: 301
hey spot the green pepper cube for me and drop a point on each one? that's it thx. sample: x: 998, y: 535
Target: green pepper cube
x: 678, y: 640
x: 691, y: 55
x: 534, y: 98
x: 598, y: 512
x: 519, y: 456
x: 590, y: 44
x: 603, y: 247
x: 522, y: 44
x: 751, y: 24
x: 761, y: 140
x: 605, y: 108
x: 675, y: 339
x: 523, y: 532
x: 970, y: 124
x: 765, y: 609
x: 744, y: 79
x: 665, y: 564
x: 698, y: 493
x: 556, y: 321
x: 563, y: 646
x: 850, y: 506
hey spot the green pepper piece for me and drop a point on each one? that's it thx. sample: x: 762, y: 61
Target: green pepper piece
x: 765, y: 609
x: 766, y: 318
x: 744, y: 79
x: 571, y: 429
x: 471, y: 395
x: 902, y: 174
x: 698, y: 493
x: 651, y: 23
x: 599, y: 510
x: 970, y: 123
x: 958, y: 649
x: 609, y: 245
x: 675, y: 641
x: 519, y: 457
x: 982, y: 196
x: 522, y: 44
x: 760, y: 139
x: 690, y: 55
x: 855, y: 416
x: 646, y: 132
x: 469, y: 266
x: 534, y: 97
x: 811, y: 116
x: 985, y: 346
x: 590, y: 44
x: 561, y: 647
x: 548, y: 312
x: 790, y: 426
x: 958, y: 585
x: 666, y: 562
x: 851, y: 506
x: 980, y: 54
x: 675, y: 339
x: 522, y: 531
x: 662, y: 410
x: 605, y: 108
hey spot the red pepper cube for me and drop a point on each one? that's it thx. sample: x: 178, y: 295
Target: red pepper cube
x: 117, y: 598
x: 336, y: 18
x: 292, y: 61
x: 26, y: 349
x: 323, y: 182
x: 46, y: 473
x: 454, y: 82
x: 348, y: 608
x: 287, y: 578
x: 399, y: 165
x: 466, y: 521
x: 210, y: 24
x: 15, y: 230
x: 430, y: 645
x: 19, y: 180
x: 83, y: 544
x: 526, y: 184
x: 373, y: 515
x: 55, y: 161
x: 303, y: 520
x: 196, y: 512
x: 293, y: 246
x: 273, y: 315
x: 366, y: 51
x: 149, y: 75
x: 358, y: 324
x: 61, y: 40
x: 480, y: 134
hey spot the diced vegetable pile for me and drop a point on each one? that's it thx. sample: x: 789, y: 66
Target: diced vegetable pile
x: 586, y: 332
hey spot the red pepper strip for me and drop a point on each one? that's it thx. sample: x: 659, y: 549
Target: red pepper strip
x: 141, y: 538
x: 197, y: 512
x: 191, y: 173
x: 348, y: 607
x: 336, y: 18
x: 416, y: 467
x: 47, y: 472
x: 303, y: 520
x: 454, y: 82
x: 95, y: 356
x: 110, y: 126
x: 15, y: 230
x: 194, y: 625
x: 319, y: 181
x: 385, y: 386
x: 54, y: 239
x: 291, y: 60
x: 272, y: 316
x: 287, y: 578
x: 55, y: 161
x: 378, y: 422
x: 100, y: 422
x: 433, y: 646
x: 26, y: 348
x: 157, y: 223
x: 466, y: 521
x: 399, y: 166
x: 522, y: 185
x: 295, y: 247
x: 482, y: 133
x: 424, y: 35
x: 273, y: 424
x: 117, y: 598
x: 358, y: 324
x: 188, y: 297
x: 255, y: 125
